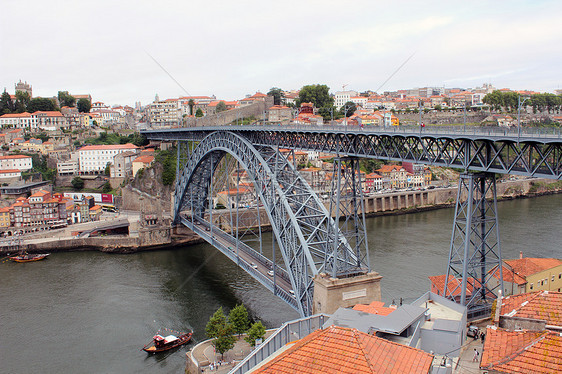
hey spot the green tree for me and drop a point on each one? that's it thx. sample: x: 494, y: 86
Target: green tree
x: 6, y: 104
x: 278, y: 95
x: 107, y: 169
x: 77, y: 183
x: 348, y: 109
x: 318, y: 94
x: 191, y: 104
x: 41, y: 104
x: 106, y: 187
x: 65, y: 99
x: 84, y: 105
x: 221, y: 106
x: 22, y: 100
x: 257, y: 331
x: 238, y: 318
x: 220, y: 331
x: 199, y: 112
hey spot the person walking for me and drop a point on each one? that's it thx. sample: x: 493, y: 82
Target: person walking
x: 476, y: 354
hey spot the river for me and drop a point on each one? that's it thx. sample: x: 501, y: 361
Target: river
x: 90, y: 312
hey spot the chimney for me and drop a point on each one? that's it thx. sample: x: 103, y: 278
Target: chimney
x: 520, y: 254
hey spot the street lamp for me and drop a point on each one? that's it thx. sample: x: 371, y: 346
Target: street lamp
x: 519, y: 105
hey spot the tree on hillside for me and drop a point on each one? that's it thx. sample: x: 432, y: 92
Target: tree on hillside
x: 199, y: 112
x: 348, y: 109
x: 221, y: 106
x: 84, y: 105
x: 278, y: 95
x: 65, y: 99
x: 257, y: 331
x: 238, y: 318
x: 22, y: 101
x: 106, y: 187
x: 41, y: 104
x: 318, y: 94
x: 6, y: 104
x: 77, y: 183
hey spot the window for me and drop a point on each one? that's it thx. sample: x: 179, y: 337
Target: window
x: 531, y: 286
x: 553, y: 278
x: 559, y: 275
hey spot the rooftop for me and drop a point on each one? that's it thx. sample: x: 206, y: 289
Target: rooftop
x: 522, y: 351
x: 542, y: 305
x: 343, y: 350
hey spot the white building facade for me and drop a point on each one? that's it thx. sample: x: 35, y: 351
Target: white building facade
x: 19, y: 162
x: 94, y: 158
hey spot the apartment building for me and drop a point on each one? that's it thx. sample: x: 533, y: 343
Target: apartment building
x: 94, y: 158
x: 19, y: 162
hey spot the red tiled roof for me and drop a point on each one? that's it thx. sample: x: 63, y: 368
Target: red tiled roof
x: 48, y: 113
x: 107, y: 147
x: 6, y: 171
x: 234, y: 191
x: 40, y: 193
x: 509, y: 275
x: 389, y: 168
x: 529, y: 266
x: 145, y: 159
x: 16, y: 115
x: 453, y: 285
x: 342, y: 350
x: 544, y: 305
x: 7, y: 157
x: 522, y: 351
x: 376, y: 307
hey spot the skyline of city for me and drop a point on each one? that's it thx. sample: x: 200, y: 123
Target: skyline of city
x: 113, y: 51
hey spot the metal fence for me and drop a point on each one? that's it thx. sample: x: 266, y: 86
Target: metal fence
x: 288, y: 332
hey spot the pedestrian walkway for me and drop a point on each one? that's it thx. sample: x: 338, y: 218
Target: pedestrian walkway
x: 465, y: 363
x: 208, y: 361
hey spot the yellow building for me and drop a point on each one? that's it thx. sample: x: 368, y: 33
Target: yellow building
x: 524, y: 275
x: 5, y: 217
x: 142, y: 162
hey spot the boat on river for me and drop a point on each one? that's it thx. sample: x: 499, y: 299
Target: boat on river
x: 161, y: 343
x: 25, y: 257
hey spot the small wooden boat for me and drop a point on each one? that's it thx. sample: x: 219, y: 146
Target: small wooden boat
x: 29, y: 258
x: 164, y: 343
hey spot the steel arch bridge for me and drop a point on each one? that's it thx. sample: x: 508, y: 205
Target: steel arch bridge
x: 309, y: 240
x: 475, y: 247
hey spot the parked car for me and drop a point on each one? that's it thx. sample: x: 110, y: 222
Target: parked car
x: 472, y: 331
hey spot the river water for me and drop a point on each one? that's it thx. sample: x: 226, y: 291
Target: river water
x: 90, y: 312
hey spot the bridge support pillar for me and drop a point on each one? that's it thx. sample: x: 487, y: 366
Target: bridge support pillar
x: 473, y: 273
x: 333, y: 293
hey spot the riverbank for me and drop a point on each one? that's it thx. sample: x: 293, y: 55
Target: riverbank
x: 165, y: 237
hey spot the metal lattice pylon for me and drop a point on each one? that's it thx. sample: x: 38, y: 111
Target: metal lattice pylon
x: 475, y: 252
x: 347, y: 208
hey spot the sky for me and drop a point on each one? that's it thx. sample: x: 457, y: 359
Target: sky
x: 126, y: 51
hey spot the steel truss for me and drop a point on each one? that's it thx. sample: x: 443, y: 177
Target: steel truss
x: 347, y: 206
x: 475, y: 252
x: 301, y: 224
x: 540, y: 157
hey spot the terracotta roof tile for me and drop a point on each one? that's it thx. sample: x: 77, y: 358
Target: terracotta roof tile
x: 108, y: 147
x: 529, y: 266
x: 544, y: 305
x: 376, y: 307
x: 522, y: 351
x: 343, y: 350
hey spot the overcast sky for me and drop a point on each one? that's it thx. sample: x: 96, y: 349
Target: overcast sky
x: 234, y: 48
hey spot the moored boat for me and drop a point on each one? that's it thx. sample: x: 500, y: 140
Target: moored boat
x: 163, y: 343
x: 29, y: 257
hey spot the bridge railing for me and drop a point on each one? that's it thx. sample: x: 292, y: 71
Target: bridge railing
x: 523, y: 132
x: 288, y: 332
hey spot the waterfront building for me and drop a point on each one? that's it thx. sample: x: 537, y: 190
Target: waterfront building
x: 94, y: 158
x: 396, y: 175
x: 229, y: 198
x: 280, y: 113
x: 19, y: 162
x: 373, y: 182
x: 5, y: 217
x: 347, y: 350
x: 527, y: 274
